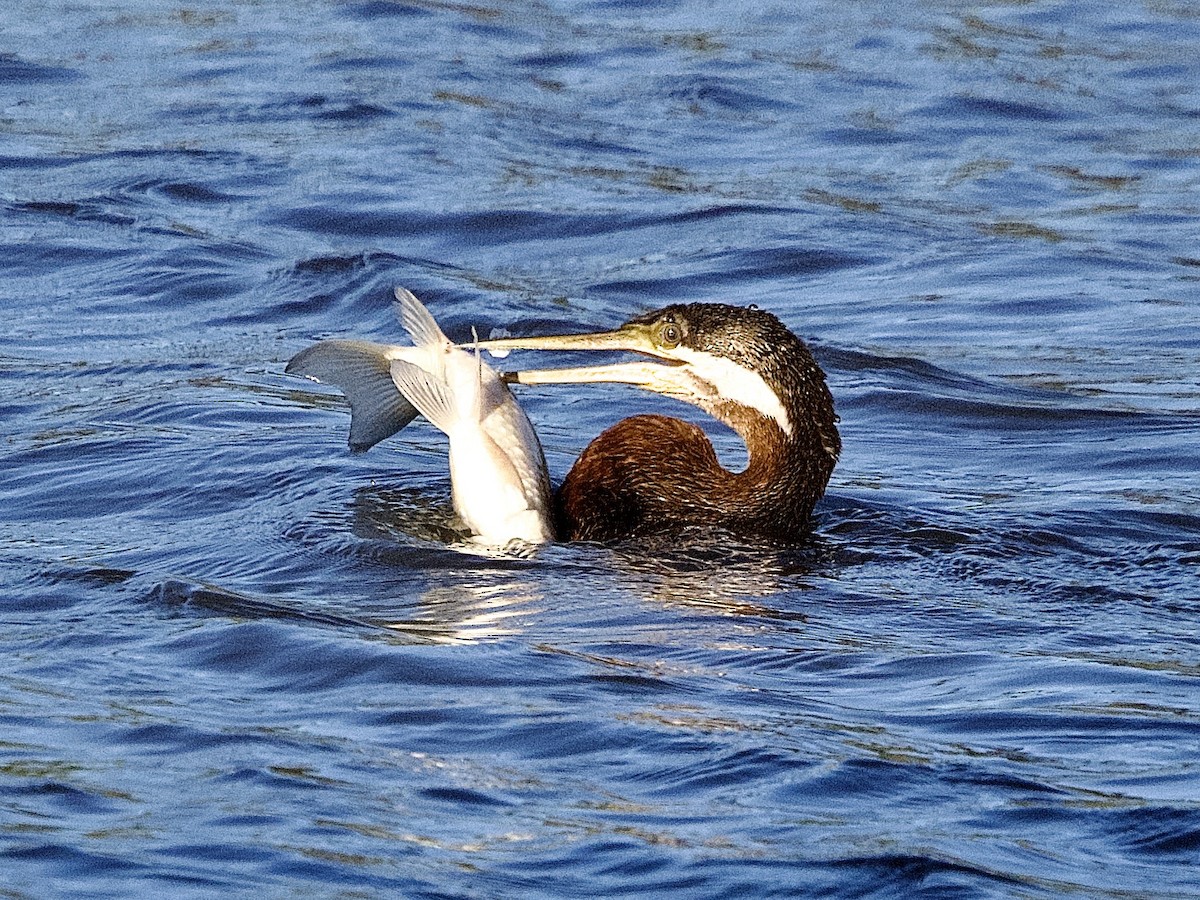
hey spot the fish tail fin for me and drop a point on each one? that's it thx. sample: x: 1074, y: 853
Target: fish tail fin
x: 362, y: 371
x: 430, y: 394
x: 417, y: 320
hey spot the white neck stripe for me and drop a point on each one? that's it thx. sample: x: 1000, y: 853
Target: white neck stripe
x: 739, y: 384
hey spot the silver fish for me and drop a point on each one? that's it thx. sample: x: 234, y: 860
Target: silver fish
x: 498, y: 476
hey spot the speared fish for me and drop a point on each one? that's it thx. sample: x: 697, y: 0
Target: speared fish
x: 499, y: 482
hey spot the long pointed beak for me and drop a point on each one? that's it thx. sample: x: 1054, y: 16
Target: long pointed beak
x: 632, y: 338
x: 651, y: 376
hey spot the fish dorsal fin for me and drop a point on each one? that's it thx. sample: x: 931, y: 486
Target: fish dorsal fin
x: 429, y: 394
x: 417, y: 320
x: 477, y: 410
x: 362, y: 371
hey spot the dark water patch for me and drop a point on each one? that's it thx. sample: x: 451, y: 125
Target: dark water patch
x: 488, y: 228
x: 96, y: 577
x: 227, y: 853
x: 71, y: 467
x: 618, y: 155
x: 17, y: 71
x: 918, y: 371
x: 458, y: 797
x: 355, y: 288
x: 229, y: 604
x: 919, y: 875
x: 1168, y: 526
x: 386, y: 9
x: 51, y: 207
x: 695, y: 554
x: 1162, y: 831
x: 1049, y: 733
x: 57, y: 798
x: 81, y: 211
x: 1034, y: 796
x: 630, y: 683
x: 272, y: 776
x: 188, y: 192
x: 986, y: 115
x: 136, y: 158
x: 68, y: 861
x: 351, y: 65
x: 545, y: 60
x: 917, y: 389
x: 330, y: 265
x: 168, y: 738
x: 356, y: 113
x: 720, y: 212
x: 8, y: 162
x: 499, y: 227
x: 1007, y: 417
x: 31, y: 261
x: 284, y: 110
x: 724, y: 95
x: 38, y: 601
x: 560, y: 737
x: 1159, y: 72
x: 868, y: 137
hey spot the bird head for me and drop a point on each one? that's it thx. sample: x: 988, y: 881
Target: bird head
x: 739, y: 364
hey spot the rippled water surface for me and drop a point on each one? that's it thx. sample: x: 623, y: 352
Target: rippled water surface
x: 235, y: 658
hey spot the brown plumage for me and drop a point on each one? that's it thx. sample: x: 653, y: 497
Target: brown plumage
x: 654, y: 474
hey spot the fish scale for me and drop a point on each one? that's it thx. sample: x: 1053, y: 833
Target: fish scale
x: 500, y: 485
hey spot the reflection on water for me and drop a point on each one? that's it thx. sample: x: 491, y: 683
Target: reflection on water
x: 469, y: 613
x: 465, y: 613
x: 701, y: 569
x: 714, y: 571
x: 406, y: 513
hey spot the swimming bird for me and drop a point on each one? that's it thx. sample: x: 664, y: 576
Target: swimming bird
x: 654, y: 474
x: 499, y: 482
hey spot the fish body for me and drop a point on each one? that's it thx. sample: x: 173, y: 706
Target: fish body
x: 499, y: 481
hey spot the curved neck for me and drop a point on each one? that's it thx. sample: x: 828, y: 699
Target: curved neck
x: 786, y: 474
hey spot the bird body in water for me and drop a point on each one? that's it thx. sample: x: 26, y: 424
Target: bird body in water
x: 499, y: 484
x: 647, y: 474
x: 650, y: 473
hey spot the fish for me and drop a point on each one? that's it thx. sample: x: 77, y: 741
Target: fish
x: 499, y: 482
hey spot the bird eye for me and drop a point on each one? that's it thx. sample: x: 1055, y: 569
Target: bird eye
x: 671, y: 335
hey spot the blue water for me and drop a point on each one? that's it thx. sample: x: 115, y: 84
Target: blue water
x: 236, y: 659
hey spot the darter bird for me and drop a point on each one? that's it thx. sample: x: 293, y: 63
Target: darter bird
x: 653, y: 474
